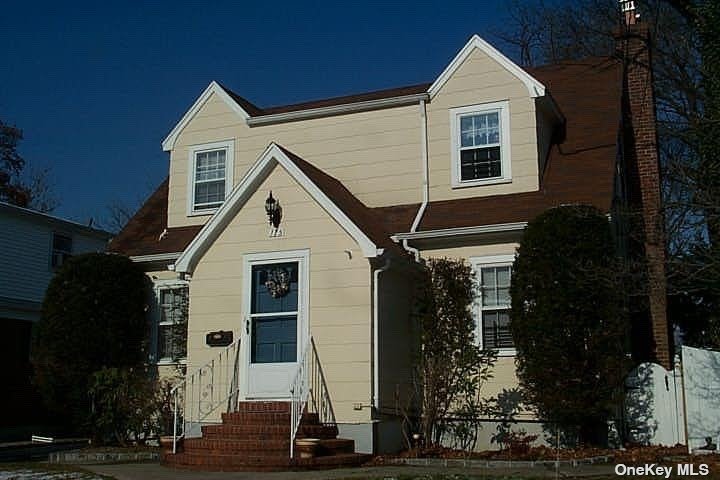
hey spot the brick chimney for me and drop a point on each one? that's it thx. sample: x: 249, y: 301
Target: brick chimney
x: 640, y: 157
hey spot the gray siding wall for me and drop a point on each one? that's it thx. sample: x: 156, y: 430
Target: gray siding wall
x: 26, y: 244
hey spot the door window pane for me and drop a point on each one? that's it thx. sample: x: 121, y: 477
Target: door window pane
x: 274, y: 339
x: 275, y: 288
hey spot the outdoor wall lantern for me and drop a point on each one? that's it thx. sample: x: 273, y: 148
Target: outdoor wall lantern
x: 274, y: 214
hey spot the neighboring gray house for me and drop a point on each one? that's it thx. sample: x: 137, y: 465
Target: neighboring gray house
x: 33, y: 245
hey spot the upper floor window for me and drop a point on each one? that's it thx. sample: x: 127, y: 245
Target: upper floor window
x: 480, y: 144
x: 61, y: 249
x: 210, y: 176
x: 493, y: 313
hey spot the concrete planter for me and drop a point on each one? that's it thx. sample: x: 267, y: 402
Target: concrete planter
x: 307, y: 447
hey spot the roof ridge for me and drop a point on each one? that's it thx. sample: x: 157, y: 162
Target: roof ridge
x: 246, y: 104
x: 416, y: 87
x: 388, y: 92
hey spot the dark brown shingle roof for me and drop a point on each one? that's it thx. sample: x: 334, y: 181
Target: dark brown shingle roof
x: 255, y: 111
x: 142, y: 234
x: 346, y: 99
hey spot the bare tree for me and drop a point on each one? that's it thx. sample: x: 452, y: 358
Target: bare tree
x: 29, y: 190
x: 11, y: 166
x: 42, y: 195
x: 686, y: 64
x: 118, y: 214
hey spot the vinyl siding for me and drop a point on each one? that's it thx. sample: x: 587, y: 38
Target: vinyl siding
x: 340, y: 293
x: 375, y: 154
x: 480, y: 79
x: 25, y: 268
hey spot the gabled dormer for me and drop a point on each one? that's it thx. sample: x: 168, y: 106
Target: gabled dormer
x: 482, y: 128
x: 489, y: 126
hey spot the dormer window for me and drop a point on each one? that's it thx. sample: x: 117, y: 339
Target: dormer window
x: 480, y: 144
x: 210, y: 178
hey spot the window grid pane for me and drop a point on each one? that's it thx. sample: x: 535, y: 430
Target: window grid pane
x: 209, y: 187
x: 480, y: 129
x: 480, y: 149
x: 496, y: 329
x: 61, y: 250
x: 210, y: 166
x: 479, y: 163
x: 172, y: 323
x: 495, y: 307
x: 209, y: 194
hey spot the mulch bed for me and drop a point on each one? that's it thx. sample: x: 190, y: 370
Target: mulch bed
x: 632, y: 455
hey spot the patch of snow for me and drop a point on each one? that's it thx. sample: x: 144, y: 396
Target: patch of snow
x: 45, y: 475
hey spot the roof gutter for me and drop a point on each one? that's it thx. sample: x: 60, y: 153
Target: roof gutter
x: 336, y: 109
x: 156, y: 257
x: 426, y: 181
x: 460, y: 231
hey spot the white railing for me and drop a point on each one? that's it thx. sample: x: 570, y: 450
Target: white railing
x: 205, y: 390
x: 308, y: 390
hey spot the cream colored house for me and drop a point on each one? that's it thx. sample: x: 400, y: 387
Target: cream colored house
x: 304, y: 221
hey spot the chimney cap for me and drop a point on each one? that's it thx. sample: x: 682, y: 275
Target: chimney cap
x: 627, y: 8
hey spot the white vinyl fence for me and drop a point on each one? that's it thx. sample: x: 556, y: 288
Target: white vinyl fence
x: 701, y: 377
x: 681, y: 406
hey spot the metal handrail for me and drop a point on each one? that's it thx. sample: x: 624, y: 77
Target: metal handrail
x: 298, y: 397
x: 309, y: 390
x: 319, y: 392
x: 200, y: 393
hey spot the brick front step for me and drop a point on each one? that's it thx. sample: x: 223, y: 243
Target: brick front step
x: 265, y: 418
x: 256, y: 437
x: 336, y: 446
x: 260, y: 432
x: 238, y: 446
x: 263, y: 407
x: 331, y: 446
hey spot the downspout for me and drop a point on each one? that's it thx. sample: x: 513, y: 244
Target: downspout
x: 426, y: 182
x: 376, y: 334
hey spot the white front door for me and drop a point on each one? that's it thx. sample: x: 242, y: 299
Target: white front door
x: 275, y: 321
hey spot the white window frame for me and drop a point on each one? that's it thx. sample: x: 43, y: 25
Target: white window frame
x: 229, y: 147
x: 64, y: 254
x: 158, y: 286
x: 477, y: 264
x: 503, y: 108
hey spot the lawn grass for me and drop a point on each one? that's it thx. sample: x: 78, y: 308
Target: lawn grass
x: 33, y: 470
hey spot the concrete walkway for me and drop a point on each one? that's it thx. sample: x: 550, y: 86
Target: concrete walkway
x: 150, y: 471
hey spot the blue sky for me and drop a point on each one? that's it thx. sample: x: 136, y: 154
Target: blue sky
x: 96, y: 86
